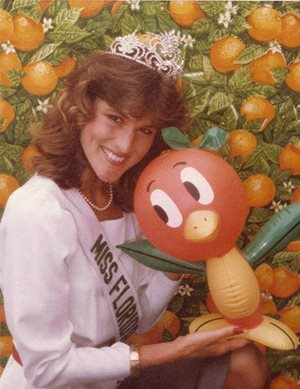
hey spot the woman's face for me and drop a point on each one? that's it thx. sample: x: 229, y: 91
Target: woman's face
x: 113, y: 142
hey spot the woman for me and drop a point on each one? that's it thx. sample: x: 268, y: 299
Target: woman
x: 71, y: 297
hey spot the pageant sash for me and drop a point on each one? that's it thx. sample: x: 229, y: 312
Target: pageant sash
x: 118, y: 288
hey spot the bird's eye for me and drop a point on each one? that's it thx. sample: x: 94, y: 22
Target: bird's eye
x: 197, y: 185
x: 165, y: 208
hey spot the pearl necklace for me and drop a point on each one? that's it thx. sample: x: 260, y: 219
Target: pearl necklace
x: 100, y: 209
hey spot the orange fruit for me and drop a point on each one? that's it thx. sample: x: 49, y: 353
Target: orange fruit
x: 44, y: 4
x: 260, y: 190
x: 260, y: 69
x: 264, y: 276
x: 268, y: 306
x: 291, y: 317
x: 65, y: 67
x: 185, y: 13
x: 210, y: 304
x: 117, y: 4
x: 28, y: 34
x: 285, y: 283
x: 294, y: 246
x: 258, y: 107
x: 224, y: 52
x: 1, y: 370
x: 8, y: 61
x: 290, y: 31
x: 293, y: 78
x: 284, y: 382
x: 7, y: 113
x: 295, y: 197
x: 89, y: 8
x: 2, y: 314
x: 265, y: 24
x: 29, y: 152
x: 6, y: 345
x: 8, y: 184
x: 289, y: 158
x: 6, y: 26
x: 171, y: 322
x: 40, y: 78
x: 241, y: 143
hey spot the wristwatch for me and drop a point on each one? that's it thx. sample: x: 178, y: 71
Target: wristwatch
x: 134, y: 357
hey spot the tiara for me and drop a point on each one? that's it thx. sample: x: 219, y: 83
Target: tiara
x: 160, y: 52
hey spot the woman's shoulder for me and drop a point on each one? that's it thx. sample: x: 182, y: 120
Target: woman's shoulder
x: 38, y: 196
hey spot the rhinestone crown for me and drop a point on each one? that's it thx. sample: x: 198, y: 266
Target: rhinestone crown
x: 160, y: 52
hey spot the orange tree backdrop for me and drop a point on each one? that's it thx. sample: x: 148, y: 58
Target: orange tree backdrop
x: 242, y: 74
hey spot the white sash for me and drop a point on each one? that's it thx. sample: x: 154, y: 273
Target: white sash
x: 117, y: 285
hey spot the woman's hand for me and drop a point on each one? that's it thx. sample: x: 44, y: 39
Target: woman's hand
x: 197, y: 345
x: 204, y: 344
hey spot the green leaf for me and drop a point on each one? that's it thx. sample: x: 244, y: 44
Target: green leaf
x: 230, y: 118
x: 33, y: 12
x: 199, y: 103
x: 150, y: 8
x: 143, y: 252
x: 259, y: 215
x: 271, y: 152
x: 129, y: 23
x: 67, y: 16
x: 195, y: 64
x: 213, y: 8
x: 202, y: 27
x: 165, y: 23
x: 44, y: 52
x: 15, y: 76
x: 147, y: 23
x: 12, y: 152
x: 250, y: 53
x: 240, y: 80
x: 279, y: 74
x: 54, y: 8
x: 264, y: 90
x: 5, y: 165
x: 219, y: 102
x: 287, y: 110
x: 199, y: 78
x: 261, y: 166
x: 238, y: 25
x: 279, y: 176
x: 68, y: 33
x: 23, y: 3
x: 175, y: 138
x: 214, y: 139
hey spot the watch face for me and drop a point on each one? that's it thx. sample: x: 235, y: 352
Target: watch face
x: 134, y: 356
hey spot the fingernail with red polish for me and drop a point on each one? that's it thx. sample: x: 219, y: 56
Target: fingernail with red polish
x: 238, y: 330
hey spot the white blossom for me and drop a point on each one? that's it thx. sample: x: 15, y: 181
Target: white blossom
x: 289, y: 186
x: 277, y: 206
x: 185, y: 290
x: 44, y: 106
x: 47, y: 24
x: 225, y: 19
x: 8, y: 47
x: 231, y: 8
x: 187, y: 41
x: 275, y: 47
x: 134, y: 4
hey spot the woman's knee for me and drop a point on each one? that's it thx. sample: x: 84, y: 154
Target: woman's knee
x: 247, y: 365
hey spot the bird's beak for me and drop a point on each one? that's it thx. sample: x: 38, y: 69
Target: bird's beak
x: 202, y: 226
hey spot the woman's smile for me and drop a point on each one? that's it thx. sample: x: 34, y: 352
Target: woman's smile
x: 121, y: 139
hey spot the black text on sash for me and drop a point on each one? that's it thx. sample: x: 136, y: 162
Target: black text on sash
x: 122, y: 299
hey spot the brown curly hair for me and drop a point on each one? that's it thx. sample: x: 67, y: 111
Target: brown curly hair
x: 126, y: 86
